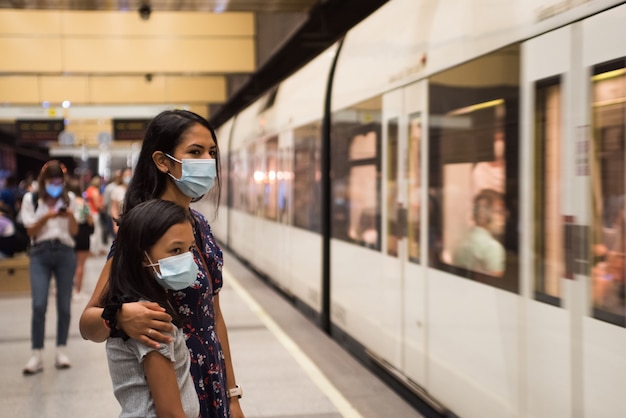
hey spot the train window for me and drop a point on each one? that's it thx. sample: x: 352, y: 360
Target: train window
x: 224, y: 173
x: 549, y: 243
x: 267, y: 178
x: 306, y: 182
x: 473, y: 134
x: 355, y: 148
x: 284, y: 177
x: 392, y: 187
x: 250, y: 164
x: 607, y: 175
x: 238, y: 182
x: 414, y: 184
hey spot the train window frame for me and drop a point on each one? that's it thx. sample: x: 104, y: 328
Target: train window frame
x: 306, y: 183
x: 344, y: 134
x: 238, y: 182
x: 445, y: 96
x: 601, y: 72
x: 414, y: 185
x: 393, y: 233
x: 251, y: 192
x: 268, y: 179
x: 539, y: 190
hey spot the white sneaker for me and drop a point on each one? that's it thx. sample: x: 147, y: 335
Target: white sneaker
x: 61, y: 360
x: 34, y: 365
x: 76, y: 296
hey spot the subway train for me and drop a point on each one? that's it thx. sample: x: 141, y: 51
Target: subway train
x: 443, y: 192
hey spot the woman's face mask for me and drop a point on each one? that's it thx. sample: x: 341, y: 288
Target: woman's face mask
x: 198, y: 176
x: 54, y: 190
x: 176, y: 272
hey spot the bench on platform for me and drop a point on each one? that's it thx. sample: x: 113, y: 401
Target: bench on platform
x: 14, y: 276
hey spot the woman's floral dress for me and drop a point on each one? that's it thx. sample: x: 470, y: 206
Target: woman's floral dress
x: 195, y: 304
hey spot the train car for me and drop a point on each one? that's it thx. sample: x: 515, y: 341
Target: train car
x: 444, y: 192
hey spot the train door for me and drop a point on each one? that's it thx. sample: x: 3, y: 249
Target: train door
x: 548, y: 361
x: 402, y: 118
x: 601, y: 161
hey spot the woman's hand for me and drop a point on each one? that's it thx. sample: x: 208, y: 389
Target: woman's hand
x: 144, y: 322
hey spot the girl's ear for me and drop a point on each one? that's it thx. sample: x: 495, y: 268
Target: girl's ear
x: 160, y: 160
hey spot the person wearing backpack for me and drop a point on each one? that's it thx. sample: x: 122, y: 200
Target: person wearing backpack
x: 51, y: 224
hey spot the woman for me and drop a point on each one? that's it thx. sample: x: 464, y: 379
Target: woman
x: 148, y: 382
x: 93, y: 198
x: 49, y: 219
x: 178, y: 163
x: 85, y: 222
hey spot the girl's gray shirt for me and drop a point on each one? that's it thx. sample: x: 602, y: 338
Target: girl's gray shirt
x: 130, y: 386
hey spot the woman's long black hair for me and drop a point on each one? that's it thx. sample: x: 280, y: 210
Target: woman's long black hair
x: 140, y: 228
x: 164, y: 133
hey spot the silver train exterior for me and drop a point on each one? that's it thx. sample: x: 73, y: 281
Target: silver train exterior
x: 360, y: 187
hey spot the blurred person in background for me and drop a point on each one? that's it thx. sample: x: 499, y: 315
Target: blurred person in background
x: 481, y: 250
x: 105, y: 212
x: 93, y: 199
x: 9, y: 195
x: 85, y: 221
x: 48, y: 216
x: 117, y: 197
x: 7, y: 233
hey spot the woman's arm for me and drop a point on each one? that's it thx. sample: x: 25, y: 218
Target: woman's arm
x: 71, y: 221
x: 222, y: 333
x: 161, y: 379
x: 115, y: 213
x: 135, y: 319
x: 34, y: 229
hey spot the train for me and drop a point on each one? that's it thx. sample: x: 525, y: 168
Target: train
x: 442, y: 190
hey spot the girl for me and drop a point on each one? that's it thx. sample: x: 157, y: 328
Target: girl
x: 178, y: 163
x: 152, y: 254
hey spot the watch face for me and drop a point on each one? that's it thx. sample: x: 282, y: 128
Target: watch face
x: 236, y: 391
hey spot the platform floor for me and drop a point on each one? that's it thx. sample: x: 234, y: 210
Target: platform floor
x: 286, y: 365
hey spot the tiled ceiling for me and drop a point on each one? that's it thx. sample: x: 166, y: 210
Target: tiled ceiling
x: 268, y: 6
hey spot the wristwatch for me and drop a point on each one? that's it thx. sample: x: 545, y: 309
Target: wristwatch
x: 109, y: 314
x: 236, y: 391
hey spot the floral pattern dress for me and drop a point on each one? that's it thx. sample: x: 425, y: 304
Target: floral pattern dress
x: 195, y: 305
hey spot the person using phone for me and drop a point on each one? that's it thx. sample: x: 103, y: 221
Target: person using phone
x: 50, y: 223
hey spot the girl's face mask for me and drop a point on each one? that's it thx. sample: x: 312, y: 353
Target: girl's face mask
x: 176, y: 272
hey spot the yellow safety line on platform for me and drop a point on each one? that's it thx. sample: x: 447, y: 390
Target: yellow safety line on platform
x: 343, y: 406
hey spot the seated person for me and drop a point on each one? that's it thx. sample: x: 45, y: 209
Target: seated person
x: 479, y: 250
x: 7, y: 233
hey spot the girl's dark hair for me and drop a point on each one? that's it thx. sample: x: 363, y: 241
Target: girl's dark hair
x: 53, y: 169
x: 140, y: 228
x: 164, y: 133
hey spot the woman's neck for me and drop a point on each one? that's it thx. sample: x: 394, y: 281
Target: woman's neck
x: 51, y: 201
x: 172, y: 194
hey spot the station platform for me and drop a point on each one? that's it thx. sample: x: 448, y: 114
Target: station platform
x: 286, y: 366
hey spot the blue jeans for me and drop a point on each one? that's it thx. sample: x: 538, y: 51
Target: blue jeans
x: 48, y: 258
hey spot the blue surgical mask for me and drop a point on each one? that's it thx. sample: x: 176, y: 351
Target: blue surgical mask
x: 177, y: 272
x: 54, y: 190
x: 198, y: 176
